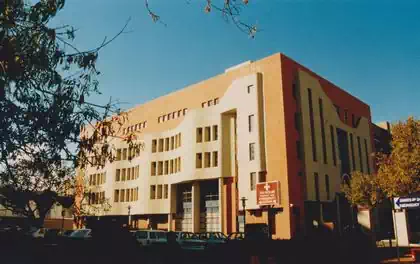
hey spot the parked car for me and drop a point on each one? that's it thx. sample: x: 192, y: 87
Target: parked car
x: 150, y: 237
x: 190, y: 241
x: 81, y: 234
x: 39, y: 233
x: 236, y: 236
x: 66, y: 233
x: 213, y: 238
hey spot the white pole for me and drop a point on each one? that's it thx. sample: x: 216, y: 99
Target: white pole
x: 396, y: 235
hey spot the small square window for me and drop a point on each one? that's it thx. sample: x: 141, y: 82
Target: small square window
x: 179, y: 113
x: 204, y: 105
x: 210, y: 102
x: 250, y: 88
x: 216, y: 101
x: 184, y: 111
x: 169, y: 116
x: 164, y: 118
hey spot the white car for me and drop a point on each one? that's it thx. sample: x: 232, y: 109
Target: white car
x: 81, y: 234
x: 150, y: 237
x: 39, y: 233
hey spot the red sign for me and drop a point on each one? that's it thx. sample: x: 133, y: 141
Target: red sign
x: 268, y: 193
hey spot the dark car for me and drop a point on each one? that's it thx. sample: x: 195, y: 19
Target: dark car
x: 236, y: 236
x: 213, y: 238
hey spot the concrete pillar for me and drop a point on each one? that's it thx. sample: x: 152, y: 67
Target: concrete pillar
x: 400, y: 226
x: 222, y: 213
x: 196, y: 206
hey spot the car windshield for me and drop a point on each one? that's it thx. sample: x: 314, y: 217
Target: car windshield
x: 80, y: 233
x: 141, y: 234
x: 189, y: 236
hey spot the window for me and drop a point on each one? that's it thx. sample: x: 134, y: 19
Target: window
x: 172, y: 143
x: 159, y: 119
x: 160, y: 145
x: 166, y: 167
x: 176, y: 165
x: 164, y: 118
x: 166, y: 144
x: 352, y: 151
x: 179, y: 163
x: 215, y: 132
x: 262, y: 176
x: 367, y: 157
x: 251, y: 123
x: 127, y: 195
x: 249, y: 88
x: 128, y: 174
x: 251, y: 151
x: 172, y: 166
x: 137, y: 193
x: 165, y: 191
x: 253, y: 180
x: 346, y: 115
x: 199, y: 161
x: 337, y: 108
x: 153, y: 168
x: 327, y: 186
x: 152, y: 192
x: 173, y: 115
x: 138, y: 171
x: 207, y: 160
x: 160, y: 167
x: 124, y: 156
x: 207, y: 134
x: 353, y: 120
x: 297, y: 121
x: 324, y: 144
x: 311, y: 119
x: 333, y: 146
x: 179, y: 113
x: 298, y: 150
x: 123, y: 175
x: 117, y: 175
x: 184, y: 111
x: 122, y: 195
x: 116, y: 196
x: 316, y: 178
x: 203, y: 105
x: 159, y: 192
x: 179, y: 139
x: 210, y: 103
x: 125, y: 131
x: 360, y: 154
x: 154, y: 145
x: 216, y: 101
x: 215, y: 159
x: 118, y: 154
x: 169, y: 116
x: 199, y: 135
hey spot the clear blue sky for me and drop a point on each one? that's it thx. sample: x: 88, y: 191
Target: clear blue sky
x: 371, y: 48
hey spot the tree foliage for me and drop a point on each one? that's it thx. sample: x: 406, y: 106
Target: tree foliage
x: 398, y: 172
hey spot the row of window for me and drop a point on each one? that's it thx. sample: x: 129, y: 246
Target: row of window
x: 327, y: 186
x: 210, y: 133
x: 96, y: 197
x: 253, y: 179
x: 166, y: 167
x: 127, y: 174
x: 135, y: 127
x: 209, y: 103
x: 210, y: 160
x: 127, y: 153
x: 166, y: 144
x: 173, y: 115
x: 126, y: 195
x: 97, y: 178
x: 159, y: 191
x: 354, y: 120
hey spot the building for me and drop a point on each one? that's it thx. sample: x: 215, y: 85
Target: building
x: 208, y: 145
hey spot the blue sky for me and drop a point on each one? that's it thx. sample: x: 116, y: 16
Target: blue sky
x: 371, y: 48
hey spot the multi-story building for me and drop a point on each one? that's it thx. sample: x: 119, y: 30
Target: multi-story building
x: 208, y: 145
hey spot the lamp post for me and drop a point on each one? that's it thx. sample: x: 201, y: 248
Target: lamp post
x: 62, y: 218
x: 129, y: 216
x: 243, y: 199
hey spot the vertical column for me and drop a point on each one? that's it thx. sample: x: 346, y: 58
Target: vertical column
x: 222, y: 213
x: 196, y: 206
x: 172, y: 206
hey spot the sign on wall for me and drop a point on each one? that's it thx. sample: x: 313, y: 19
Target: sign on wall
x: 268, y: 193
x: 406, y: 203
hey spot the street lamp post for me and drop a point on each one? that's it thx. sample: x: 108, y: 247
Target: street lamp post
x: 129, y: 216
x: 243, y: 199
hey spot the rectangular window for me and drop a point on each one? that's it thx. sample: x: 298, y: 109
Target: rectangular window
x: 333, y: 146
x: 128, y: 174
x: 215, y: 133
x: 337, y: 109
x: 159, y: 119
x: 176, y: 165
x: 253, y: 180
x: 160, y: 168
x: 166, y: 144
x: 172, y: 166
x: 152, y: 192
x: 159, y: 191
x: 297, y: 121
x: 118, y: 154
x: 166, y: 167
x: 153, y: 168
x: 210, y: 102
x: 123, y: 175
x: 207, y: 160
x: 199, y: 161
x: 352, y: 152
x: 169, y: 116
x: 154, y: 145
x: 324, y: 144
x: 94, y: 179
x: 249, y: 88
x: 353, y: 120
x: 216, y: 101
x: 165, y: 191
x: 124, y: 156
x: 311, y: 119
x: 251, y: 151
x: 367, y: 157
x: 160, y: 147
x: 298, y: 150
x: 251, y: 123
x: 127, y: 195
x: 137, y: 193
x: 207, y: 132
x: 360, y: 153
x: 327, y: 186
x: 117, y: 175
x: 199, y: 135
x: 164, y: 118
x: 138, y: 172
x: 215, y: 160
x: 116, y: 196
x: 262, y: 176
x: 184, y: 111
x: 204, y: 105
x: 122, y: 195
x: 179, y: 113
x: 179, y: 163
x: 346, y: 115
x: 172, y: 143
x: 316, y: 178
